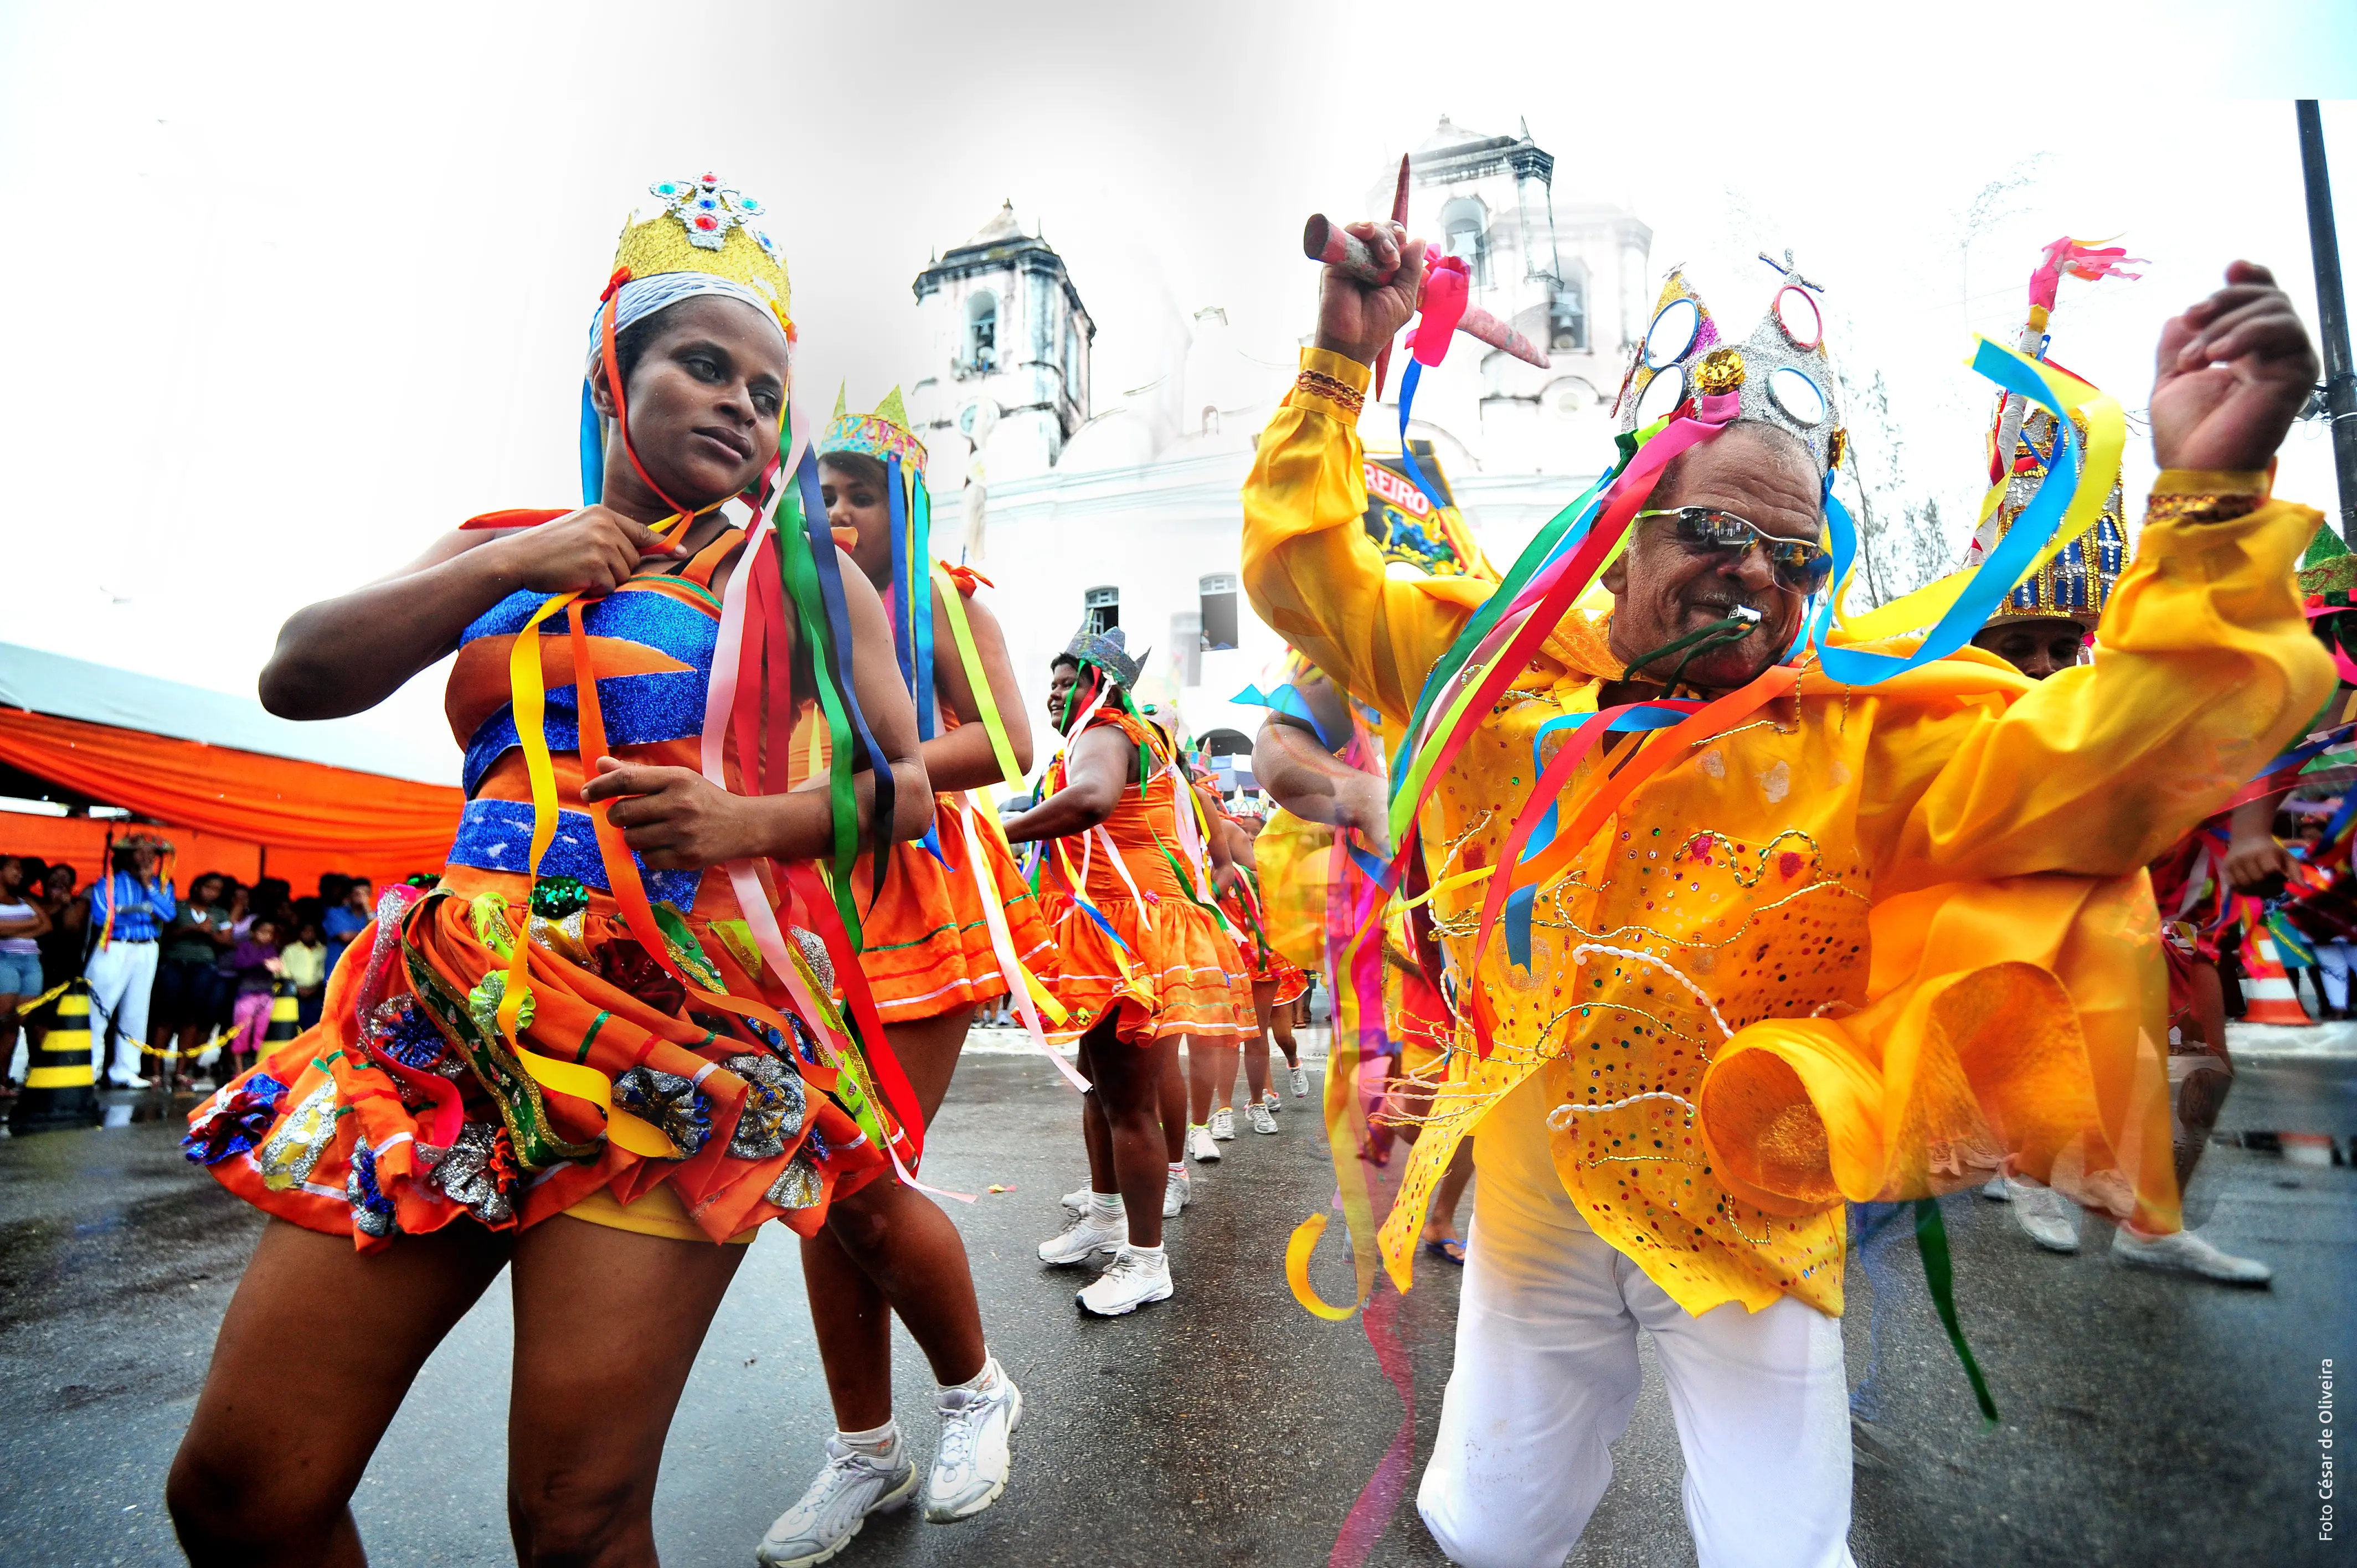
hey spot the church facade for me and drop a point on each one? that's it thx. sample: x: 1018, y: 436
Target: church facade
x: 1127, y: 515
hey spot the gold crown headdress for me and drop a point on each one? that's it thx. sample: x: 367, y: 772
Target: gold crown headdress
x: 701, y: 243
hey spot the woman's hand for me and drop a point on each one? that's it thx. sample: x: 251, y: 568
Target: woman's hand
x: 676, y: 819
x: 2233, y: 371
x: 1355, y: 319
x: 593, y: 551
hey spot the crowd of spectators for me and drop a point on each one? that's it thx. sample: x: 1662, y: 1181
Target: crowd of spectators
x: 187, y: 981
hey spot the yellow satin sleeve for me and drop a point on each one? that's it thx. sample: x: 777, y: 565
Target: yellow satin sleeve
x: 2204, y: 669
x: 1314, y: 575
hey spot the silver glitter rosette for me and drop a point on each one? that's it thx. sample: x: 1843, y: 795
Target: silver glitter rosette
x: 798, y: 1186
x: 672, y: 1103
x: 468, y: 1174
x: 565, y: 936
x: 774, y: 1108
x: 373, y: 1212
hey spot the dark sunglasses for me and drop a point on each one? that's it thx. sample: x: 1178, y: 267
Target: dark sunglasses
x: 1800, y: 565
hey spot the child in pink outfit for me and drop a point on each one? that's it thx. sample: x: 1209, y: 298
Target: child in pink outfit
x: 257, y: 966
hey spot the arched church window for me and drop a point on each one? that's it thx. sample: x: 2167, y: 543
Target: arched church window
x: 1465, y: 231
x: 1101, y: 608
x: 1217, y: 601
x: 1211, y: 420
x: 982, y: 330
x: 1568, y: 317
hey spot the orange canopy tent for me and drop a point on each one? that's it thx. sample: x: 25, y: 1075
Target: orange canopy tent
x: 235, y: 789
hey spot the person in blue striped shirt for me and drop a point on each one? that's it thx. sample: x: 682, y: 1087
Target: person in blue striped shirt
x: 127, y: 911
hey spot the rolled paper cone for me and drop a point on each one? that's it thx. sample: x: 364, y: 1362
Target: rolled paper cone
x: 1478, y: 323
x: 1323, y: 239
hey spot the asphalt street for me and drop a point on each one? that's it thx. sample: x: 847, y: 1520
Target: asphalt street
x: 2145, y: 1420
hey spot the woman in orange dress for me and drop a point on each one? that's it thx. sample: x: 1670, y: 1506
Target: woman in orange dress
x: 931, y: 953
x: 1137, y: 961
x: 580, y: 1059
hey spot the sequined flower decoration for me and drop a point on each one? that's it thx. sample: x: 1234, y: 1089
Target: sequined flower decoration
x: 484, y: 1004
x: 674, y: 1104
x: 1721, y: 371
x: 373, y: 1212
x: 774, y: 1108
x: 822, y: 967
x: 398, y: 1030
x: 479, y: 1172
x: 235, y: 1121
x: 553, y: 897
x: 798, y: 1186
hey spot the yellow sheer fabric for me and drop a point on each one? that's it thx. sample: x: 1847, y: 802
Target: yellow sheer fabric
x: 1863, y: 947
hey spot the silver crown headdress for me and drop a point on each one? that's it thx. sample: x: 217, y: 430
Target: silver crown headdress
x: 1781, y: 370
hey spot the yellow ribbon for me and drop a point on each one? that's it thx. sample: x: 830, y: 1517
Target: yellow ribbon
x: 985, y: 702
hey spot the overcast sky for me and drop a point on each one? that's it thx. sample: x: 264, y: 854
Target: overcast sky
x: 294, y: 289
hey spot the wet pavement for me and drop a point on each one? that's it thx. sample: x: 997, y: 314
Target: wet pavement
x: 2146, y: 1420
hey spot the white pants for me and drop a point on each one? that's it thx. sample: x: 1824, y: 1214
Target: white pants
x: 120, y: 977
x: 1546, y: 1377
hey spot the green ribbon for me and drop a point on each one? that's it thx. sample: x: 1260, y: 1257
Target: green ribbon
x: 800, y: 574
x: 1940, y: 1273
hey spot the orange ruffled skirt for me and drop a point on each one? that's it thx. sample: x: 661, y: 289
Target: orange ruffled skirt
x: 1168, y: 974
x: 336, y: 1130
x: 926, y: 946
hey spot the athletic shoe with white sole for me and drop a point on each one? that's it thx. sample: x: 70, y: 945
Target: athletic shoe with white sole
x: 1262, y: 1122
x: 2189, y: 1253
x: 851, y: 1486
x: 1995, y: 1191
x: 1088, y: 1232
x: 1271, y: 1101
x: 2048, y: 1218
x: 1199, y: 1144
x: 1134, y: 1280
x: 971, y: 1464
x: 1224, y: 1124
x: 1300, y: 1082
x: 1178, y: 1192
x: 1077, y: 1200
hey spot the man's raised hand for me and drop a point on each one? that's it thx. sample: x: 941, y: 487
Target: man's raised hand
x: 2233, y: 371
x: 1355, y: 318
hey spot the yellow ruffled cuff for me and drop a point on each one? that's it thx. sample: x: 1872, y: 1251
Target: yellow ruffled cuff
x: 2212, y: 482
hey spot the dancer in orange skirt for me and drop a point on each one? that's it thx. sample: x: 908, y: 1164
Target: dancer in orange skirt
x: 1138, y: 962
x: 931, y: 953
x: 590, y: 1054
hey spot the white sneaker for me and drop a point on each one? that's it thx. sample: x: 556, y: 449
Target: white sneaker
x: 1199, y: 1144
x: 1132, y: 1282
x: 847, y: 1490
x: 1271, y: 1101
x: 1995, y: 1191
x: 1262, y: 1122
x: 133, y: 1082
x: 2050, y: 1219
x: 1178, y: 1192
x: 969, y: 1467
x: 1077, y: 1200
x: 1300, y: 1083
x: 1224, y: 1124
x: 2182, y: 1250
x: 1083, y: 1235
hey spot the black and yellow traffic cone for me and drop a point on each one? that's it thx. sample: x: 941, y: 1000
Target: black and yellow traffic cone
x: 59, y: 1089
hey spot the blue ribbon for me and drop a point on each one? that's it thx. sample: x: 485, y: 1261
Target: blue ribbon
x: 920, y: 601
x: 838, y: 656
x: 1288, y: 700
x: 593, y: 450
x: 1407, y: 457
x: 2003, y: 566
x: 1523, y: 901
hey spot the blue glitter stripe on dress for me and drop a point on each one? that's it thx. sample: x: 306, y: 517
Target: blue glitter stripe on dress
x: 496, y: 835
x: 639, y: 710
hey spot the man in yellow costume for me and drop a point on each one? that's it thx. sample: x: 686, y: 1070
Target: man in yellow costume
x: 1820, y: 941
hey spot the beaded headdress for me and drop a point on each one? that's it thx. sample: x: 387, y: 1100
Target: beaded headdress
x: 2076, y: 582
x: 883, y: 435
x: 1781, y: 372
x: 1108, y: 650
